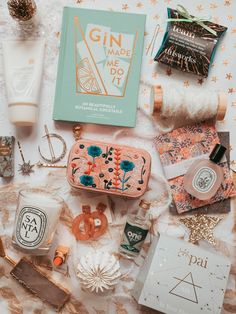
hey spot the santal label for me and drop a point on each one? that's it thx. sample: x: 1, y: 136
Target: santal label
x: 204, y: 179
x: 30, y: 227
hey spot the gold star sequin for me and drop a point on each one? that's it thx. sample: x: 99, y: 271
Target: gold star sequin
x: 233, y: 31
x: 213, y: 6
x: 228, y: 76
x: 139, y: 5
x: 186, y: 83
x: 214, y: 79
x: 201, y: 227
x: 231, y: 90
x: 227, y: 2
x: 153, y: 2
x: 125, y: 7
x: 200, y: 81
x: 230, y: 17
x: 225, y: 62
x: 200, y: 7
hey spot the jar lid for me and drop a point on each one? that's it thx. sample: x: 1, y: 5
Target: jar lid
x: 217, y: 153
x: 144, y: 204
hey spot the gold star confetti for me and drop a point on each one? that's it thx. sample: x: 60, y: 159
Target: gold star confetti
x: 214, y: 79
x: 200, y: 81
x: 213, y: 6
x: 200, y: 7
x: 228, y: 76
x: 225, y: 62
x: 233, y: 31
x: 231, y: 90
x: 233, y: 103
x: 227, y: 2
x: 139, y: 5
x: 230, y: 17
x: 201, y: 227
x: 125, y: 7
x: 153, y: 2
x: 186, y: 83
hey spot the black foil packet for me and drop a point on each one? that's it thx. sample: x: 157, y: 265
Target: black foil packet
x: 187, y: 46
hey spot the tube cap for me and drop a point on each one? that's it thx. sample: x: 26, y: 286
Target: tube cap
x: 23, y: 114
x: 217, y: 153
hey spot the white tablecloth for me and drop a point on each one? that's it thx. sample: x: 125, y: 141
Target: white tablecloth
x: 14, y: 299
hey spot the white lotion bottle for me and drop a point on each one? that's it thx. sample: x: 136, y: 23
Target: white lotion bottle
x: 23, y: 65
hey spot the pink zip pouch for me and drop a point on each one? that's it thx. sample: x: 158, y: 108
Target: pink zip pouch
x: 108, y: 168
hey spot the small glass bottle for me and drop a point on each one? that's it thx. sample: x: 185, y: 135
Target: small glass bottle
x: 135, y: 231
x: 204, y: 176
x: 37, y: 216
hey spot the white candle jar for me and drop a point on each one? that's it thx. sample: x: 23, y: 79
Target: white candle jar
x: 37, y: 216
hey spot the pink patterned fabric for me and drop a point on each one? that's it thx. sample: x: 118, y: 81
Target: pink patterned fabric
x: 109, y: 168
x: 185, y: 143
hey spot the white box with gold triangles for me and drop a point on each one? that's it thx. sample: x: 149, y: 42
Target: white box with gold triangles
x: 180, y: 278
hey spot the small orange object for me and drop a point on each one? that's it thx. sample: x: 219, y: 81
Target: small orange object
x: 83, y: 231
x: 57, y: 261
x: 60, y: 256
x: 90, y: 225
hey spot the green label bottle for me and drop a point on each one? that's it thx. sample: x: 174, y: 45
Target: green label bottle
x: 135, y: 231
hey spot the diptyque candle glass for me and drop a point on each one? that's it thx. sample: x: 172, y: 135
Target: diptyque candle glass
x: 36, y: 219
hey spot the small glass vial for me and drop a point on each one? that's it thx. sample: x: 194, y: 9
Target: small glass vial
x: 204, y: 176
x: 135, y: 232
x: 37, y: 215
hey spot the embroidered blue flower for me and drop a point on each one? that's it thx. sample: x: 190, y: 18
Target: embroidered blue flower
x: 127, y: 165
x: 86, y: 180
x: 94, y: 151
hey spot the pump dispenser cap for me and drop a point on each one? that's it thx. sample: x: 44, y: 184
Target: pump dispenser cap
x: 217, y: 153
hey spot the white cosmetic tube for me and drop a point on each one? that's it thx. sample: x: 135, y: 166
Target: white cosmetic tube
x: 23, y: 65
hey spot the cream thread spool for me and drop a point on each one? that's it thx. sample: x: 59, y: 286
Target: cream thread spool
x: 159, y: 105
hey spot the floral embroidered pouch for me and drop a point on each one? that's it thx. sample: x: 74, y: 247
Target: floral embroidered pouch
x: 109, y: 168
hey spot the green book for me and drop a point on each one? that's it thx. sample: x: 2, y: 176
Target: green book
x: 99, y: 67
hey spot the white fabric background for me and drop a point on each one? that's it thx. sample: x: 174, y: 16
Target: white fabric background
x: 222, y: 77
